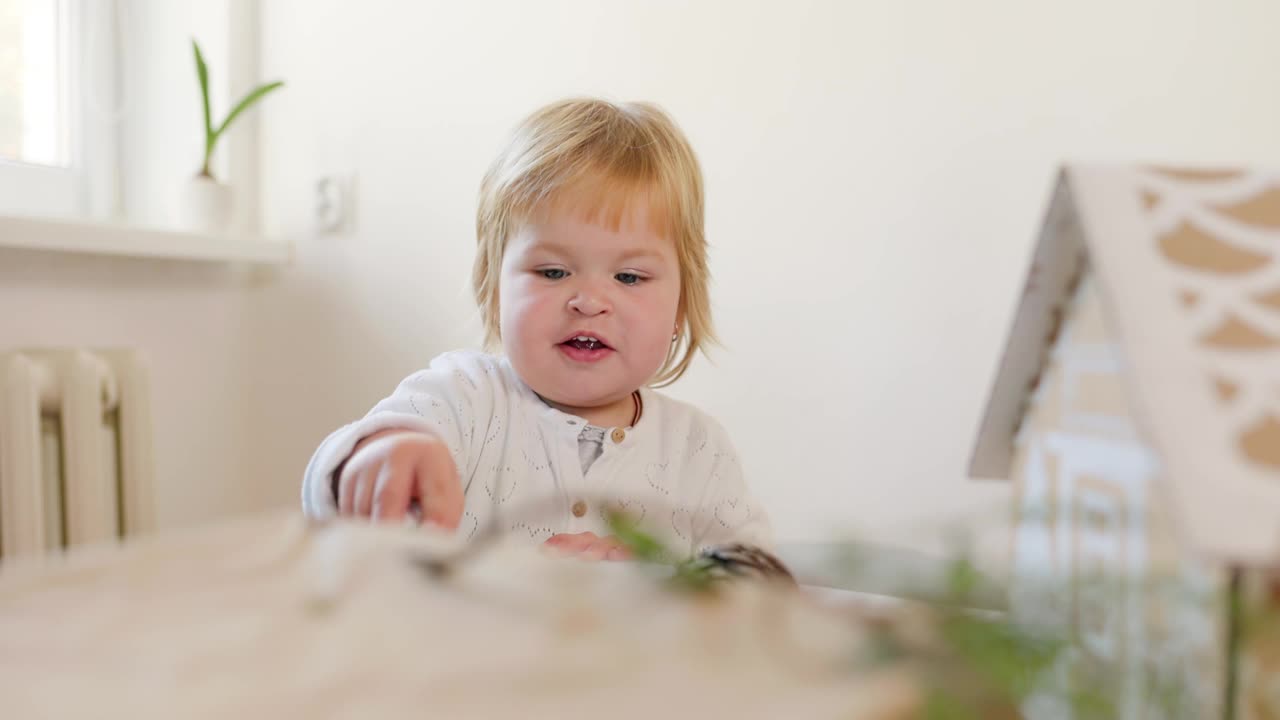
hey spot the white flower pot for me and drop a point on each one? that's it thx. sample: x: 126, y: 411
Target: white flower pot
x: 206, y: 205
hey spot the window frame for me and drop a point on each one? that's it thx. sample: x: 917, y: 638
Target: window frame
x: 87, y: 187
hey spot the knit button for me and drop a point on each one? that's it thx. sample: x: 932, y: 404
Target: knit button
x: 579, y: 509
x: 618, y: 435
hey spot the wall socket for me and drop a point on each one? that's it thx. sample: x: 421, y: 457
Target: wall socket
x: 334, y: 203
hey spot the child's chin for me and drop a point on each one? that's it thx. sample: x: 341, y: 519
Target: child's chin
x: 584, y: 395
x: 580, y: 399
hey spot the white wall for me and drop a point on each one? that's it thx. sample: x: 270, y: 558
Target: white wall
x: 876, y: 172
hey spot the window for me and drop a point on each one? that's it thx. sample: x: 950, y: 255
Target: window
x: 50, y: 148
x: 33, y: 83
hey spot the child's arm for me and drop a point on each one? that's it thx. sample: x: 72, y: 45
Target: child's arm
x: 446, y: 401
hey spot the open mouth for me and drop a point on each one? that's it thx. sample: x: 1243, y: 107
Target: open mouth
x: 585, y: 348
x: 586, y: 342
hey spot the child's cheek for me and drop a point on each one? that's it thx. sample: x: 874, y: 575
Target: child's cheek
x: 528, y: 301
x: 653, y: 322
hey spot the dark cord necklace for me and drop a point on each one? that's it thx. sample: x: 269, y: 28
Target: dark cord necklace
x: 638, y: 403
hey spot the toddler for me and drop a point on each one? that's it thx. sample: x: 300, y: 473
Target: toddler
x: 591, y: 274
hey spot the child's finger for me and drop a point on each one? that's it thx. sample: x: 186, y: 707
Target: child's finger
x: 598, y: 550
x: 391, y: 497
x: 560, y: 540
x: 579, y: 542
x: 571, y: 543
x: 619, y: 552
x: 440, y: 490
x: 362, y: 497
x: 347, y: 491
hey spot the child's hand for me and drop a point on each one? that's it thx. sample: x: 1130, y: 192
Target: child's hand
x: 391, y: 469
x: 588, y: 546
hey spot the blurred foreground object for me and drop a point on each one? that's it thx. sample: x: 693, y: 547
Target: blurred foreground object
x: 1137, y: 411
x: 271, y: 617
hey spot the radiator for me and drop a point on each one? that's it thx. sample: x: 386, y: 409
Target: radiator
x: 76, y: 463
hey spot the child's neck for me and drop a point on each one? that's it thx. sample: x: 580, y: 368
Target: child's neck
x: 619, y: 413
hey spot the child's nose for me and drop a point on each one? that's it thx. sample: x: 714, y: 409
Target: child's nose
x: 587, y: 303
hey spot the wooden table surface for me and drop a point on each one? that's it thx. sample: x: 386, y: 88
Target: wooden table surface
x: 272, y: 617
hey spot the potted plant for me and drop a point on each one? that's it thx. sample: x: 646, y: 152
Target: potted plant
x: 208, y: 201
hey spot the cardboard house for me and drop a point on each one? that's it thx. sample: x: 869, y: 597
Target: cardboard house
x: 1136, y: 409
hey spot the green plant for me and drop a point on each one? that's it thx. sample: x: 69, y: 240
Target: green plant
x: 970, y: 661
x: 968, y: 664
x: 212, y: 134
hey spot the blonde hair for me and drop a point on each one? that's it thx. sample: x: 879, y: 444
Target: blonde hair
x: 600, y: 156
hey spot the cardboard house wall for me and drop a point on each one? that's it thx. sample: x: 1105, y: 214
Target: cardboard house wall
x: 1091, y: 512
x: 1137, y: 410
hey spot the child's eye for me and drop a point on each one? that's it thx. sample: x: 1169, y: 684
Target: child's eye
x: 628, y: 278
x: 552, y: 273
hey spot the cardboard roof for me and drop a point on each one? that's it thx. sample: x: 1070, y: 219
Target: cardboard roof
x: 1187, y: 264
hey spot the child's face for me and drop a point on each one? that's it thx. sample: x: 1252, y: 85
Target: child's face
x: 566, y: 277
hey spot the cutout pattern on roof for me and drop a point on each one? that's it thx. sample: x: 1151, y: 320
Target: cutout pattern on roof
x: 1226, y: 245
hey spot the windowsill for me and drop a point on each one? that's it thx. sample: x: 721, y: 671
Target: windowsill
x: 95, y: 238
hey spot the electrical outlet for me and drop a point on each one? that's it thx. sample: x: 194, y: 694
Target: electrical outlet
x: 333, y: 203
